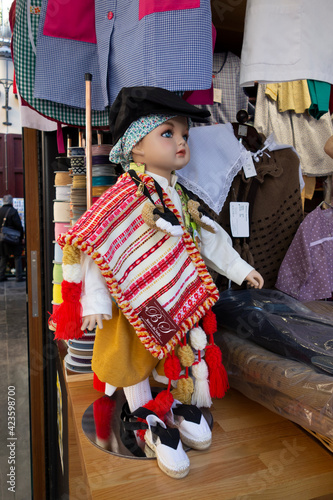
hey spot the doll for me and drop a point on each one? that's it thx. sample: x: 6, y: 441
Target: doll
x: 139, y: 243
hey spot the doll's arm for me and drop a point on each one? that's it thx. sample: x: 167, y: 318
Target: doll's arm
x: 95, y: 298
x: 254, y: 279
x: 219, y: 254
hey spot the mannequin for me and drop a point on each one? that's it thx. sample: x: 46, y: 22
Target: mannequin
x: 154, y: 224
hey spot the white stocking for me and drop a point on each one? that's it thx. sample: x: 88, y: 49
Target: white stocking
x: 138, y: 395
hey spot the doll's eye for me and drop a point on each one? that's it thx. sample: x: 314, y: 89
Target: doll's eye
x: 185, y: 137
x: 167, y: 133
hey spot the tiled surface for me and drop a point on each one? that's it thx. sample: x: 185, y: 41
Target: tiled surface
x: 14, y: 372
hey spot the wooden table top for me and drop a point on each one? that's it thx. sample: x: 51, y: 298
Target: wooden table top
x: 255, y: 454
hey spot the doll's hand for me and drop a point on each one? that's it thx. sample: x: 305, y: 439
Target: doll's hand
x: 254, y: 279
x: 89, y: 322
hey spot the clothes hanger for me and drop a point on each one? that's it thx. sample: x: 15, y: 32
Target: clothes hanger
x: 251, y: 138
x: 325, y: 203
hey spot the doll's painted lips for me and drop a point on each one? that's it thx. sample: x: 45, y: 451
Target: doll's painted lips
x: 182, y: 152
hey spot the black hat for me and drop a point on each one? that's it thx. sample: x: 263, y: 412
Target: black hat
x: 133, y: 102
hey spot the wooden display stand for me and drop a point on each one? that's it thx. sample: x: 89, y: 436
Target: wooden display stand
x: 255, y: 453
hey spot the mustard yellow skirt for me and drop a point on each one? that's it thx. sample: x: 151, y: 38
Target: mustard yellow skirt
x: 119, y: 357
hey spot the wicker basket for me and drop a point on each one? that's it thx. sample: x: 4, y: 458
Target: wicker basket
x: 326, y: 441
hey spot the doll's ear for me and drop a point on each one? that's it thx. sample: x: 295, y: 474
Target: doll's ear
x: 138, y: 149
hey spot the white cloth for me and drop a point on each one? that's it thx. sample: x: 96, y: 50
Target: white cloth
x: 287, y: 40
x: 216, y: 157
x: 216, y: 250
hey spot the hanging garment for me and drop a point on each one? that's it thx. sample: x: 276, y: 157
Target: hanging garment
x: 320, y: 97
x: 122, y: 44
x: 24, y: 56
x: 306, y: 134
x: 306, y: 272
x: 227, y: 91
x: 275, y: 211
x: 294, y: 96
x: 285, y: 41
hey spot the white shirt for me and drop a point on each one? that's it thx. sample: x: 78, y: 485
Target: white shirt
x: 287, y: 40
x: 216, y: 250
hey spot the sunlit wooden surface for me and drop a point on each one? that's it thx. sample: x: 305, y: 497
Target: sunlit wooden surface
x: 255, y: 454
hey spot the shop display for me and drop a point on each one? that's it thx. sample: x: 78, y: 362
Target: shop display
x: 149, y: 269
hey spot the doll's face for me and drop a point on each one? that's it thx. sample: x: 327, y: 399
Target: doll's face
x: 165, y: 148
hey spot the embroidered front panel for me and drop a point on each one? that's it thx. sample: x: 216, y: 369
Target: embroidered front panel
x: 140, y: 263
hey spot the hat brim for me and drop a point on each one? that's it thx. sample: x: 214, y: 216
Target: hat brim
x: 133, y: 103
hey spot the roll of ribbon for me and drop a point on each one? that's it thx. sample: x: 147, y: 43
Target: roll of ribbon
x: 57, y: 273
x: 61, y: 211
x: 101, y: 149
x: 99, y: 190
x: 79, y: 170
x: 59, y: 228
x: 57, y: 297
x: 62, y: 178
x: 63, y: 193
x: 57, y: 253
x: 106, y: 180
x: 77, y: 161
x: 76, y: 151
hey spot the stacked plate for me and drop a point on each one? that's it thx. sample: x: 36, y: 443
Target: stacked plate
x: 79, y: 354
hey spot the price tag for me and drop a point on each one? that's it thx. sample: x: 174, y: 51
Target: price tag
x: 239, y: 219
x: 248, y: 166
x: 242, y: 130
x: 217, y: 95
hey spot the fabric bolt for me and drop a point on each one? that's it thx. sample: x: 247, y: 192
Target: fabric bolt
x: 306, y: 272
x: 303, y: 52
x: 294, y: 96
x: 320, y: 97
x: 306, y: 134
x: 62, y: 178
x: 57, y: 273
x: 24, y: 56
x: 62, y: 193
x: 226, y: 68
x: 170, y: 49
x: 217, y: 147
x: 57, y: 252
x: 60, y: 227
x: 61, y: 211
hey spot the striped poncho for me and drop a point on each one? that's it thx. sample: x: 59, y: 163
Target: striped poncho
x: 139, y: 263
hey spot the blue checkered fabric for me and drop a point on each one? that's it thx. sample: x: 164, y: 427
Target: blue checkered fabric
x: 171, y: 49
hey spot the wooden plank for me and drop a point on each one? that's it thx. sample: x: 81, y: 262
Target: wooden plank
x: 254, y: 452
x: 35, y: 325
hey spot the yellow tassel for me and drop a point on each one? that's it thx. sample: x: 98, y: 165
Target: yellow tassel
x: 186, y: 355
x: 184, y: 390
x: 71, y: 255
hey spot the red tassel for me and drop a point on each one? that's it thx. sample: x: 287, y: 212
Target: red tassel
x: 160, y: 405
x: 218, y: 378
x: 103, y: 409
x: 98, y: 384
x: 68, y: 316
x: 209, y: 323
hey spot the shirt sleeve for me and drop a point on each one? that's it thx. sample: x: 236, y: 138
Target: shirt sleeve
x: 219, y: 254
x: 95, y: 298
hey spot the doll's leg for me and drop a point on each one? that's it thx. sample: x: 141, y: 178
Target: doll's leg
x: 110, y: 389
x: 138, y: 395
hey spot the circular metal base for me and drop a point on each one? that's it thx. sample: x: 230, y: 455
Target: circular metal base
x: 102, y: 425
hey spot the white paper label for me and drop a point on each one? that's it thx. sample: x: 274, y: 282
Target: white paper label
x: 242, y: 130
x: 248, y: 166
x: 217, y: 95
x: 239, y: 219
